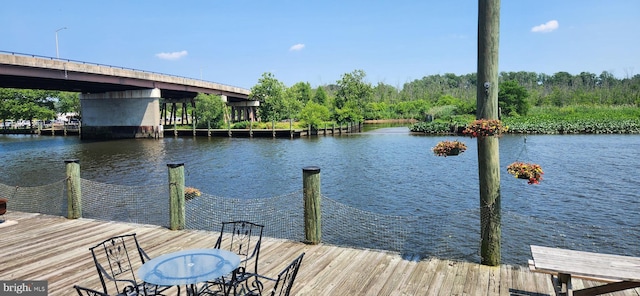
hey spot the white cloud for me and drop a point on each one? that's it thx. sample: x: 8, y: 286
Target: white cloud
x: 546, y: 27
x: 171, y: 55
x: 297, y: 47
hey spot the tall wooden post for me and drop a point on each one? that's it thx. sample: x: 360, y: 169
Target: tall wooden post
x: 175, y: 128
x: 273, y: 128
x: 74, y: 192
x: 291, y: 128
x: 312, y: 209
x: 193, y: 125
x: 251, y: 129
x: 488, y: 150
x: 176, y: 196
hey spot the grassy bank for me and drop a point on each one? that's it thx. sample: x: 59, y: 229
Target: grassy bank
x: 578, y: 119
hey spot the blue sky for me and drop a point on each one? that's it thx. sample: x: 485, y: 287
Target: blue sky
x: 394, y: 42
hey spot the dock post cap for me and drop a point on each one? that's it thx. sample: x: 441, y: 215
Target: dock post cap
x: 312, y: 169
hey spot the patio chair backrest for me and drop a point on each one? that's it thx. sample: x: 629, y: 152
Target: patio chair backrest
x: 82, y: 291
x: 114, y: 259
x: 244, y: 239
x: 286, y: 277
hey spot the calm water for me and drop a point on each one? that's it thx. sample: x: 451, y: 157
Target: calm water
x: 588, y: 180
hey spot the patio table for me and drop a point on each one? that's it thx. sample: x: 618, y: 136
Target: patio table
x: 188, y: 267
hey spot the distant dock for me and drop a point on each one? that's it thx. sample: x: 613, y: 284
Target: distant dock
x: 74, y: 130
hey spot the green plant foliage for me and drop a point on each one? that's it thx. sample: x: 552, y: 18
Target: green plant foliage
x: 245, y: 125
x: 68, y: 102
x: 320, y: 96
x: 347, y: 114
x: 271, y: 94
x: 434, y: 127
x: 378, y: 110
x: 296, y: 97
x: 352, y: 95
x: 314, y: 114
x: 443, y: 111
x: 27, y: 104
x: 452, y: 125
x: 512, y: 98
x: 417, y: 109
x: 577, y: 119
x: 210, y: 110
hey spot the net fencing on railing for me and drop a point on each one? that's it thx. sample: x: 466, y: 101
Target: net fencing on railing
x: 147, y: 204
x: 446, y: 235
x: 47, y: 199
x: 281, y: 215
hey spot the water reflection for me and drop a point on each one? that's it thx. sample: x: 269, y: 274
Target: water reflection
x: 589, y: 179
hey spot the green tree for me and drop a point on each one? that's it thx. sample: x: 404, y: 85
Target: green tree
x: 30, y: 111
x: 27, y: 104
x: 68, y: 102
x: 296, y: 96
x: 352, y: 95
x: 347, y: 114
x: 384, y: 93
x: 461, y: 106
x: 313, y: 114
x: 301, y: 91
x: 512, y: 98
x: 210, y: 111
x: 377, y: 110
x: 416, y: 109
x: 270, y: 92
x: 320, y: 96
x: 6, y: 101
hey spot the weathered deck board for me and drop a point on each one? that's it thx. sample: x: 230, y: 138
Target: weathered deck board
x: 41, y: 247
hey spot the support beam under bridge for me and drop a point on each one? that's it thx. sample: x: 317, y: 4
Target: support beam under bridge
x: 121, y: 115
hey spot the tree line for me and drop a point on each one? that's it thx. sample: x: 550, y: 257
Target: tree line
x: 353, y: 99
x: 31, y: 104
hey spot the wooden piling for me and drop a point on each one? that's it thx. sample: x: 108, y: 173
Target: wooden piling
x: 175, y: 129
x: 176, y: 196
x: 312, y: 209
x: 488, y: 152
x: 74, y: 192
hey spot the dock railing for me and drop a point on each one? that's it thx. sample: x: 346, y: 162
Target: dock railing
x: 309, y: 216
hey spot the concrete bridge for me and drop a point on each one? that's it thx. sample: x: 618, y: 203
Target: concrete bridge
x: 116, y: 102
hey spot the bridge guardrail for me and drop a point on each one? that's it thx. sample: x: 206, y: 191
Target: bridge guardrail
x: 103, y: 65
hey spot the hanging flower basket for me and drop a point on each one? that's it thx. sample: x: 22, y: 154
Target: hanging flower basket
x: 449, y: 148
x: 190, y: 192
x: 529, y: 171
x: 484, y: 128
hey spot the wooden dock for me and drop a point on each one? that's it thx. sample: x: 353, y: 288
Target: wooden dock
x: 56, y: 249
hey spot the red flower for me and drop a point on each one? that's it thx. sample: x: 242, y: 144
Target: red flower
x: 484, y: 128
x: 529, y: 171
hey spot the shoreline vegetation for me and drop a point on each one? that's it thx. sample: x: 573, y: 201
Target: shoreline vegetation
x: 529, y: 102
x: 579, y: 119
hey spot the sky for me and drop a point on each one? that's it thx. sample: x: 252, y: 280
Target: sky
x: 393, y: 42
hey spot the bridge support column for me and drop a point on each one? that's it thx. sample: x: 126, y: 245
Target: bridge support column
x: 244, y: 111
x: 121, y: 115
